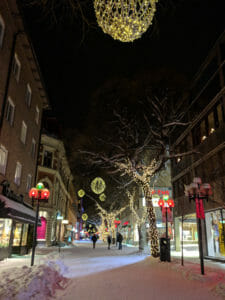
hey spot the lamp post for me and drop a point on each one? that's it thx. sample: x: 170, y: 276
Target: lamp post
x: 166, y: 205
x: 39, y: 193
x: 198, y: 192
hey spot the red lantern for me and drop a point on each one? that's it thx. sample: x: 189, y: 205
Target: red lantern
x: 33, y: 193
x: 170, y: 203
x: 161, y: 203
x: 45, y: 194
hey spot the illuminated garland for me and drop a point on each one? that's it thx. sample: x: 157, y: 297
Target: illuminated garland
x: 125, y: 20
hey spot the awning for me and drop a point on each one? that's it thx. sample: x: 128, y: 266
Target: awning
x: 17, y: 211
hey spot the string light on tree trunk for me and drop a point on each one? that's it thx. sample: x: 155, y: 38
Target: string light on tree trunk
x: 125, y: 20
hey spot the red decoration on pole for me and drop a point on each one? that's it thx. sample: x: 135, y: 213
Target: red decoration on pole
x: 33, y: 193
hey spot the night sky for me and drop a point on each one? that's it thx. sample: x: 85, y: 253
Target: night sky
x: 73, y: 67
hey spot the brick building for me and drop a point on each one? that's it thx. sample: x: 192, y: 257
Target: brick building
x: 204, y: 108
x: 22, y: 99
x: 54, y: 172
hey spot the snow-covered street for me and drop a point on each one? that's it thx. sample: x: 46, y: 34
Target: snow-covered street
x: 81, y: 272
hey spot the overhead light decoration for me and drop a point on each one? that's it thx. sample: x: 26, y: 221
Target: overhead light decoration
x: 102, y: 197
x: 98, y: 185
x: 125, y: 20
x: 81, y: 193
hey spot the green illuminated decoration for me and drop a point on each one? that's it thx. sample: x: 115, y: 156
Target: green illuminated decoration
x: 165, y: 197
x: 98, y: 185
x: 40, y: 186
x: 102, y: 197
x: 81, y: 193
x: 84, y: 217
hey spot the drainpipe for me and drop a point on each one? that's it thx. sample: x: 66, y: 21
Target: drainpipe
x: 6, y: 90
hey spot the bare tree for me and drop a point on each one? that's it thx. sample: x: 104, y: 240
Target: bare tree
x: 138, y: 148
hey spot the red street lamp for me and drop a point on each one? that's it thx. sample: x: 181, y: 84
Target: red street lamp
x: 198, y: 192
x: 39, y: 193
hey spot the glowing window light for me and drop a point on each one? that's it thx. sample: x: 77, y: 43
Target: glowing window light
x: 125, y: 20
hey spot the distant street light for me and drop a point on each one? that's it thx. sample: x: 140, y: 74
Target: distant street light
x: 39, y: 193
x: 198, y: 192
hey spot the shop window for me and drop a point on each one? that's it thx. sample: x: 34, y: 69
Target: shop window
x: 17, y: 234
x: 10, y: 109
x: 3, y: 159
x: 18, y: 173
x: 2, y: 31
x: 215, y: 233
x: 24, y: 236
x: 23, y: 134
x: 5, y: 230
x: 28, y: 95
x: 16, y: 67
x: 47, y: 159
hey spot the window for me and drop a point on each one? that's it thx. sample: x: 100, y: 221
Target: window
x: 28, y: 95
x: 23, y: 134
x: 3, y: 159
x: 10, y: 108
x: 37, y: 113
x: 33, y: 148
x: 29, y: 181
x: 47, y: 159
x: 16, y: 66
x: 18, y: 173
x: 2, y: 31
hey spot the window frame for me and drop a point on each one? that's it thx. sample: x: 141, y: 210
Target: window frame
x: 23, y: 133
x: 37, y: 115
x: 16, y: 67
x: 3, y: 167
x: 8, y: 115
x: 33, y: 148
x: 17, y: 179
x: 28, y: 183
x: 28, y: 95
x: 2, y: 33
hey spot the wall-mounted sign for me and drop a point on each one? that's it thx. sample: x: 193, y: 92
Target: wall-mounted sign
x: 65, y: 221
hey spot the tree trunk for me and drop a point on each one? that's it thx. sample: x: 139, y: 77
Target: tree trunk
x: 153, y: 232
x: 141, y: 238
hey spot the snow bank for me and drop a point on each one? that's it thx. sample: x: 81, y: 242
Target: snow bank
x: 31, y: 282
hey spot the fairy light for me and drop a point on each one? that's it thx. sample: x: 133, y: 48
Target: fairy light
x: 125, y: 20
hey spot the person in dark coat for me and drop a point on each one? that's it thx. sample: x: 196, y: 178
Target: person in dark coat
x: 94, y: 240
x: 109, y: 240
x: 120, y: 239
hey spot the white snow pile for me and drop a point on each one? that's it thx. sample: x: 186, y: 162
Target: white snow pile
x: 25, y: 283
x: 213, y: 278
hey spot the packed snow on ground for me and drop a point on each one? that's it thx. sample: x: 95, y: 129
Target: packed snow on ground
x: 81, y: 272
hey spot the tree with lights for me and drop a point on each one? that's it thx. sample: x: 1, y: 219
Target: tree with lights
x: 140, y: 219
x: 109, y: 216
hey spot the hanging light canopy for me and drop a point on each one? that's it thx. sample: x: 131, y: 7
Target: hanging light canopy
x: 125, y: 20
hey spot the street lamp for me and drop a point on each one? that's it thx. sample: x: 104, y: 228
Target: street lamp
x: 166, y: 205
x: 40, y: 193
x: 198, y: 192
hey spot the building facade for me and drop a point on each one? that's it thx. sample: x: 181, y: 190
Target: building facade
x: 58, y: 214
x: 204, y: 108
x: 22, y: 99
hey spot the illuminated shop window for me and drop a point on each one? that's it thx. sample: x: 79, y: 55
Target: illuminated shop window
x: 17, y: 234
x: 5, y: 230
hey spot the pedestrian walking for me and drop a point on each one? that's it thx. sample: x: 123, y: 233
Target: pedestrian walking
x: 120, y: 239
x: 94, y: 240
x: 109, y: 240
